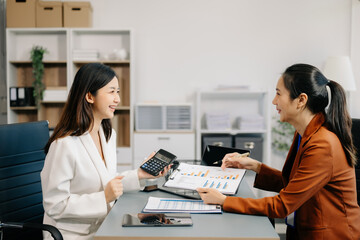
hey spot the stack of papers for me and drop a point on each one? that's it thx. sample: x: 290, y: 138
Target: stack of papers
x: 251, y: 122
x: 155, y: 204
x: 218, y: 121
x: 188, y: 176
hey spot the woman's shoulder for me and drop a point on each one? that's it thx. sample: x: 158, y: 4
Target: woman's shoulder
x: 68, y: 141
x: 325, y: 137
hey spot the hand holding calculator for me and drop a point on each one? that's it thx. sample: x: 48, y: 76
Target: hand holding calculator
x: 158, y: 162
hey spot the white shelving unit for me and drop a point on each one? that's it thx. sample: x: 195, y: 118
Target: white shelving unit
x: 233, y: 104
x: 167, y: 126
x: 60, y: 69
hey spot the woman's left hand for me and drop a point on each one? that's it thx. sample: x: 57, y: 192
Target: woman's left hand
x: 211, y: 196
x: 144, y: 175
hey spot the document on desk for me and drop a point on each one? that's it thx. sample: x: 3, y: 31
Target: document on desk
x: 188, y: 176
x: 163, y: 205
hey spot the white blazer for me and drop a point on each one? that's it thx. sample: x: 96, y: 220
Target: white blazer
x: 73, y: 181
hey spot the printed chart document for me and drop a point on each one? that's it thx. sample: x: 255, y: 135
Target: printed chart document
x: 155, y: 204
x: 188, y: 176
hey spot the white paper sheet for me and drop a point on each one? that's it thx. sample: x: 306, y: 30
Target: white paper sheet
x: 155, y: 204
x: 189, y: 176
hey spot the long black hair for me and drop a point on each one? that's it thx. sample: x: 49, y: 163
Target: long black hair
x: 304, y: 78
x: 77, y: 116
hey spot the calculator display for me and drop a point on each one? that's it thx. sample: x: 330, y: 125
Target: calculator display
x: 160, y: 156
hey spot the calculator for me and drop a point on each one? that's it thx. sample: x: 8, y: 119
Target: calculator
x: 158, y: 162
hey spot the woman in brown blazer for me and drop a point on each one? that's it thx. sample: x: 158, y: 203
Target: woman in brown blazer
x: 317, y: 186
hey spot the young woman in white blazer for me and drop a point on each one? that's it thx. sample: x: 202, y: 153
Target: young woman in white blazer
x: 79, y: 179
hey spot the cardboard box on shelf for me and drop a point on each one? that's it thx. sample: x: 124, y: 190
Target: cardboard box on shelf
x: 20, y: 13
x: 49, y: 14
x: 77, y: 14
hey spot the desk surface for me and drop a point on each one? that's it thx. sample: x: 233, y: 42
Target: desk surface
x: 205, y: 226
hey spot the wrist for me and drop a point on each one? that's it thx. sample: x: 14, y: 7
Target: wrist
x: 139, y: 173
x: 223, y: 200
x: 257, y: 167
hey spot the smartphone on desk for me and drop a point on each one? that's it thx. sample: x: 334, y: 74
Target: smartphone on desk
x: 158, y: 162
x: 157, y: 220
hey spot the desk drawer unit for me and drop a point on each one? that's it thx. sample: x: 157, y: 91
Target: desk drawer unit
x: 180, y: 144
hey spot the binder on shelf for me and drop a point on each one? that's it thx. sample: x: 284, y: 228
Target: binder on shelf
x: 22, y: 96
x: 13, y: 97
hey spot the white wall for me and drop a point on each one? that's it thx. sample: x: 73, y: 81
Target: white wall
x: 182, y: 45
x: 355, y: 57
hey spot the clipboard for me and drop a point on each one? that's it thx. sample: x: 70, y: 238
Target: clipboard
x: 213, y: 154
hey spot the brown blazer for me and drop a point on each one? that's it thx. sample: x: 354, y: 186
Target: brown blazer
x: 316, y: 182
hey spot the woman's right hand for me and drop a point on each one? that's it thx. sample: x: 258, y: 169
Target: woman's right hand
x: 235, y: 160
x: 114, y: 189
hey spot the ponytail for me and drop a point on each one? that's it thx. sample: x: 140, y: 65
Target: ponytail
x: 338, y: 120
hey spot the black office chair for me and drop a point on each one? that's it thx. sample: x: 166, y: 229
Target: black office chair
x: 355, y: 130
x: 21, y: 161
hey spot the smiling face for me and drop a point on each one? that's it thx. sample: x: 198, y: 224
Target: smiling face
x: 106, y: 100
x: 286, y: 107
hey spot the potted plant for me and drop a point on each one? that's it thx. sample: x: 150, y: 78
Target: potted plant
x: 282, y: 135
x: 37, y: 54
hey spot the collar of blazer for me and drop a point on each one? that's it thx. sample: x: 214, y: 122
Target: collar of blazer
x: 315, y: 124
x: 95, y: 157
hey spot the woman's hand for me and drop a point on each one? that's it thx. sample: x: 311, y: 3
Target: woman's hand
x: 144, y: 175
x: 114, y: 189
x: 236, y: 160
x: 211, y: 196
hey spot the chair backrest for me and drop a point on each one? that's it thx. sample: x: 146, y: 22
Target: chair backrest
x: 21, y: 161
x: 356, y: 139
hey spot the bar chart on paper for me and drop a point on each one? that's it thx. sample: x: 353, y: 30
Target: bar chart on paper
x: 189, y: 176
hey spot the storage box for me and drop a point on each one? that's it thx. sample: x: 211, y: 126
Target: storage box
x: 77, y: 14
x: 20, y: 13
x: 49, y: 14
x: 252, y: 143
x: 216, y: 140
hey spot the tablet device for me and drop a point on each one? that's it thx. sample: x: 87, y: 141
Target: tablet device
x: 214, y: 154
x: 157, y: 220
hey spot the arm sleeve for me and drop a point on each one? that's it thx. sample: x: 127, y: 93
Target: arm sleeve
x: 269, y: 179
x: 131, y: 181
x: 56, y: 176
x: 313, y: 173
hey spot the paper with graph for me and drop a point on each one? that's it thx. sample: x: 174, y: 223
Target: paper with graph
x: 188, y: 176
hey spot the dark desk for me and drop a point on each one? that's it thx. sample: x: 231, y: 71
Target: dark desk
x: 206, y: 226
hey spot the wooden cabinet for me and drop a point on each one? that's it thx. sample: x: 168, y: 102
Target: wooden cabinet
x: 61, y: 64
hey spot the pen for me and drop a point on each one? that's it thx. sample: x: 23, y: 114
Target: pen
x: 238, y: 155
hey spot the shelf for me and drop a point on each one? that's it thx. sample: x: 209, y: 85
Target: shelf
x: 56, y: 88
x: 106, y: 62
x: 233, y: 131
x: 60, y: 68
x: 53, y: 102
x: 25, y: 108
x: 25, y: 62
x: 230, y: 108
